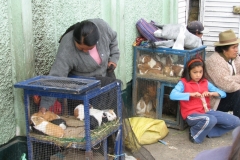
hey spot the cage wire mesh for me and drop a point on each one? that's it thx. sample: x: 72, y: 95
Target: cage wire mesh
x: 170, y: 108
x: 159, y: 65
x: 60, y: 134
x: 145, y: 103
x: 131, y: 143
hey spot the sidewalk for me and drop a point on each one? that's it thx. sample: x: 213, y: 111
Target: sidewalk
x: 180, y: 148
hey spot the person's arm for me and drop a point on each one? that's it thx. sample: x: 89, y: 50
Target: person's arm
x: 114, y: 50
x: 178, y: 94
x: 61, y: 68
x: 218, y: 71
x: 113, y: 46
x: 213, y: 92
x: 219, y: 92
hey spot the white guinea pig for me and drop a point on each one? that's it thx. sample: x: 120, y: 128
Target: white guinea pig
x: 97, y: 117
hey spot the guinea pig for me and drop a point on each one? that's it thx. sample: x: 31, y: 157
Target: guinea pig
x: 79, y: 111
x: 141, y: 107
x: 32, y: 129
x: 143, y: 68
x: 93, y: 123
x: 168, y: 71
x: 60, y: 122
x: 177, y: 69
x: 154, y: 72
x: 110, y: 114
x: 97, y: 117
x: 46, y: 127
x: 48, y: 116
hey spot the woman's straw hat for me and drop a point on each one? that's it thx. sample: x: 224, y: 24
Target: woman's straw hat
x: 227, y: 38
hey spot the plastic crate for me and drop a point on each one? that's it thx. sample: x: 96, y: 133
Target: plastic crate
x: 15, y: 149
x: 79, y: 138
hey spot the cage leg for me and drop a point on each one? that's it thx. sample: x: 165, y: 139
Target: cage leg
x: 105, y: 148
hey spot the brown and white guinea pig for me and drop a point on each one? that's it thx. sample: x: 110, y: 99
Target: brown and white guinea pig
x: 168, y: 71
x: 143, y: 68
x: 148, y: 59
x: 48, y: 115
x: 141, y: 107
x: 46, y: 127
x: 158, y: 66
x: 79, y: 111
x: 60, y: 122
x: 177, y: 70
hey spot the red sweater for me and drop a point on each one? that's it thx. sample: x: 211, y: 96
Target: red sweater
x: 194, y: 105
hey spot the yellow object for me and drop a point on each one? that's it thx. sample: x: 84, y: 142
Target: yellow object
x: 148, y: 130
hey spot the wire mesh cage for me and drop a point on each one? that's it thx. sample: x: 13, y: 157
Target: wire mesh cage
x: 163, y: 64
x: 159, y: 66
x: 83, y: 120
x: 145, y: 104
x: 157, y: 70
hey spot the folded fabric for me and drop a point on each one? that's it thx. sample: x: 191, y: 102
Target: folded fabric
x: 164, y: 44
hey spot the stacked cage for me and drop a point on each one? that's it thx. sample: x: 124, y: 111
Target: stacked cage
x: 156, y: 72
x: 83, y: 122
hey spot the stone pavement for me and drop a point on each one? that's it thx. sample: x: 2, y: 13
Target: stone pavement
x: 180, y: 148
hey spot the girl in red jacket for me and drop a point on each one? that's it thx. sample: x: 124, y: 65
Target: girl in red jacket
x: 194, y: 92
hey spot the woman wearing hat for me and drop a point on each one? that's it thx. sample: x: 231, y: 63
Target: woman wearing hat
x: 223, y: 70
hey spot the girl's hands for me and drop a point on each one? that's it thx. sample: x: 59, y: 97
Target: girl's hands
x: 195, y: 94
x: 204, y: 94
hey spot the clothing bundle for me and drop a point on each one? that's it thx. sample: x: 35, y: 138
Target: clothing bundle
x: 174, y: 36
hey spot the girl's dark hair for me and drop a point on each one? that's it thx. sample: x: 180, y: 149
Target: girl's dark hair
x: 235, y: 151
x: 194, y: 62
x: 85, y: 32
x: 220, y: 49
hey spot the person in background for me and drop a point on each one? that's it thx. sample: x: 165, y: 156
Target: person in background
x: 231, y: 152
x: 196, y: 28
x: 223, y: 70
x: 194, y: 92
x: 88, y: 48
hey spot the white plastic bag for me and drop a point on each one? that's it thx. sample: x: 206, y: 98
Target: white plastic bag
x: 179, y: 43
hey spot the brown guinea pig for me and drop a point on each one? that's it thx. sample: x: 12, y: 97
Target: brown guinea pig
x: 177, y: 70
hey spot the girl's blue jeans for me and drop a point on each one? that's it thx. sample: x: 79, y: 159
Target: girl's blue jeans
x: 211, y: 124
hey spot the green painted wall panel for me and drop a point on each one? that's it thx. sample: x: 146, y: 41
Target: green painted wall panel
x: 30, y: 31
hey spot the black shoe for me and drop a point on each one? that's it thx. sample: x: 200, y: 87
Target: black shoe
x: 191, y: 138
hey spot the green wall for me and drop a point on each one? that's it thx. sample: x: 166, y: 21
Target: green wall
x: 30, y: 31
